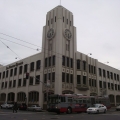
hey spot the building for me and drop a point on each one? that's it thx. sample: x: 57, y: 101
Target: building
x: 61, y: 65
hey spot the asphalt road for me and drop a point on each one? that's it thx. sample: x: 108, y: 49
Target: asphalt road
x: 28, y: 115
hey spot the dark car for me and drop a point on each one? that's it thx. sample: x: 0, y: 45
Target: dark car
x: 22, y: 106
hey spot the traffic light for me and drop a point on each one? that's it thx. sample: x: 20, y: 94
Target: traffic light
x: 27, y: 75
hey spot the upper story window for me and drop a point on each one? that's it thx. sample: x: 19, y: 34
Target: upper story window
x: 78, y: 79
x: 71, y: 62
x: 11, y: 72
x: 78, y: 64
x: 37, y: 80
x: 67, y: 61
x: 71, y: 78
x: 32, y: 66
x: 100, y: 84
x: 104, y: 75
x: 4, y: 74
x: 111, y: 74
x: 55, y: 18
x: 53, y: 60
x: 51, y: 21
x: 45, y: 62
x: 7, y: 73
x: 63, y: 60
x: 89, y: 68
x: 25, y: 68
x: 84, y: 65
x: 38, y: 63
x: 94, y: 70
x: 0, y: 75
x: 67, y: 78
x: 63, y: 77
x: 15, y: 71
x: 49, y: 61
x: 114, y: 76
x: 20, y: 70
x: 84, y: 80
x: 63, y: 19
x: 108, y: 75
x: 117, y: 77
x: 53, y: 77
x: 100, y: 73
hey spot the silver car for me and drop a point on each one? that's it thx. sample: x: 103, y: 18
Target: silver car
x: 34, y: 108
x: 118, y: 107
x: 7, y: 105
x: 97, y: 108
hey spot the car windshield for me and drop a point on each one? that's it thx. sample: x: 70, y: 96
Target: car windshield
x: 95, y: 105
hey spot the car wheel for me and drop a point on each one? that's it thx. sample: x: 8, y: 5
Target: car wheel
x: 97, y: 111
x: 105, y: 111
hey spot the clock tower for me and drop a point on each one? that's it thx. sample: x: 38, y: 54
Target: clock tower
x: 58, y: 51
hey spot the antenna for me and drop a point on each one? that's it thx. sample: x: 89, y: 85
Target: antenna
x: 60, y: 2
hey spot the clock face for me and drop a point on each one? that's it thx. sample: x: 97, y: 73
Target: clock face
x: 67, y: 34
x: 50, y: 33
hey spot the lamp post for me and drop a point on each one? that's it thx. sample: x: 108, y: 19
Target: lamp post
x: 89, y: 54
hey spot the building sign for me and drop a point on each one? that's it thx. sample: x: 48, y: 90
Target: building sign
x: 11, y: 66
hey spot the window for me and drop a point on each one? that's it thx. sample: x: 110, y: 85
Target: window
x: 71, y: 62
x: 45, y: 62
x: 112, y: 86
x: 114, y: 76
x: 15, y: 71
x: 67, y: 61
x: 53, y: 77
x: 38, y: 65
x: 115, y: 86
x: 51, y: 21
x: 31, y: 81
x: 53, y: 60
x: 70, y: 23
x: 6, y: 84
x: 37, y: 80
x: 84, y: 80
x: 67, y: 78
x: 10, y: 84
x: 2, y: 85
x: 78, y: 64
x: 55, y: 18
x: 108, y: 85
x: 67, y: 21
x: 49, y: 76
x: 32, y: 66
x: 104, y: 84
x: 108, y: 76
x: 63, y: 60
x: 0, y: 75
x: 95, y: 83
x: 117, y: 77
x: 100, y: 73
x: 25, y: 68
x: 4, y: 74
x: 90, y: 82
x: 45, y: 78
x: 63, y: 19
x: 14, y: 83
x: 104, y: 73
x: 63, y: 77
x: 111, y: 74
x: 19, y: 82
x: 24, y: 82
x: 100, y: 84
x: 118, y: 87
x: 71, y: 78
x: 78, y: 79
x: 49, y: 61
x: 11, y: 72
x: 20, y: 70
x: 89, y: 69
x: 84, y: 65
x: 94, y: 70
x: 48, y: 22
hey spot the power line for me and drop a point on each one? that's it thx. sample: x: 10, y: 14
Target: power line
x: 19, y: 39
x: 10, y: 49
x: 18, y: 43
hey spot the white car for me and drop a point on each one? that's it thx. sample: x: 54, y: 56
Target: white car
x: 7, y: 105
x: 118, y: 107
x: 97, y: 108
x: 34, y: 108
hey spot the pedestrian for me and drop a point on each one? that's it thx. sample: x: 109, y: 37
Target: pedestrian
x: 15, y: 107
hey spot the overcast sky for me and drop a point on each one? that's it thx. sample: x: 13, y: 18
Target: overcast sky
x: 97, y: 23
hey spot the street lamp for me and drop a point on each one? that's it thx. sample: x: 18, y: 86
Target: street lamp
x: 89, y: 54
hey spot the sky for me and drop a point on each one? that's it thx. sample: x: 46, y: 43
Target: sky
x: 97, y: 23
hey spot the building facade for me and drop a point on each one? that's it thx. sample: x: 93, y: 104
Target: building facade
x: 58, y: 69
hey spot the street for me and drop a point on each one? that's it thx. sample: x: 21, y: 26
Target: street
x: 28, y: 115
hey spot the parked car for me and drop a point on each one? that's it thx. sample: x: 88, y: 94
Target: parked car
x: 97, y: 108
x: 22, y: 106
x: 7, y: 105
x: 34, y: 108
x: 118, y: 107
